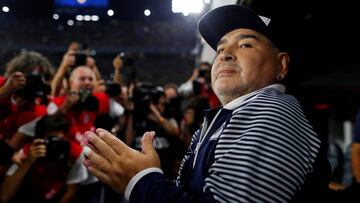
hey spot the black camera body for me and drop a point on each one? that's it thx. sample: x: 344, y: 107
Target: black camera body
x: 144, y: 94
x: 35, y: 87
x: 112, y: 89
x: 127, y: 59
x: 86, y: 102
x: 57, y: 149
x: 80, y: 58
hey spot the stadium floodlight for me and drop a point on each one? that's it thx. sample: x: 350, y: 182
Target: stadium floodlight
x: 70, y: 22
x: 87, y: 17
x: 79, y: 17
x: 147, y: 12
x: 187, y: 6
x: 56, y: 16
x: 110, y: 12
x: 95, y: 18
x: 5, y: 9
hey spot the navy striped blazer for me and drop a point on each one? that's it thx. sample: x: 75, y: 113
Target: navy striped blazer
x: 264, y: 150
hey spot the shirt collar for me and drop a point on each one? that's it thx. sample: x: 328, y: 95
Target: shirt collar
x: 236, y: 102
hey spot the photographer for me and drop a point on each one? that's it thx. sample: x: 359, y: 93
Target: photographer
x: 23, y: 96
x: 52, y: 167
x: 81, y: 105
x: 76, y: 55
x: 149, y: 106
x: 200, y: 84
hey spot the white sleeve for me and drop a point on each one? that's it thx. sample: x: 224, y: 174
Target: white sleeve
x: 186, y: 89
x: 136, y: 178
x: 116, y: 109
x: 52, y: 108
x: 13, y: 168
x: 28, y: 129
x: 78, y: 172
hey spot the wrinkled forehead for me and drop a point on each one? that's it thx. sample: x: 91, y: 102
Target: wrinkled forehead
x: 82, y: 71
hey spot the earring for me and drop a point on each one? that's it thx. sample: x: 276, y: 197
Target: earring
x: 279, y: 77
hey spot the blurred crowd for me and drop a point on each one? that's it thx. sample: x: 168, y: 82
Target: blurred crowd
x: 173, y: 34
x: 45, y: 111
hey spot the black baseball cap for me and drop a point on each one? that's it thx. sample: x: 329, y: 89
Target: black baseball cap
x: 219, y: 21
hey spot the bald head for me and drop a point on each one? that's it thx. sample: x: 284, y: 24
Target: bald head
x: 82, y: 77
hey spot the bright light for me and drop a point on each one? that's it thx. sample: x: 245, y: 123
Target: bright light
x: 207, y: 1
x: 79, y: 17
x: 147, y: 12
x: 87, y: 17
x: 70, y: 22
x: 95, y: 18
x: 5, y: 9
x: 110, y: 12
x: 187, y: 6
x: 81, y: 1
x: 56, y: 16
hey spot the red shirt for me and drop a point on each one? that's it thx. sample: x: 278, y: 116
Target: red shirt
x: 12, y: 117
x: 83, y: 121
x: 45, y: 182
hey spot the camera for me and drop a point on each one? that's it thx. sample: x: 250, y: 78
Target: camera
x: 112, y: 89
x: 80, y: 58
x: 86, y: 101
x: 202, y: 73
x: 35, y: 87
x: 57, y: 149
x: 144, y: 94
x: 127, y: 59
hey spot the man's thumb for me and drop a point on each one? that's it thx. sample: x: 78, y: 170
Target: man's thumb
x: 147, y: 143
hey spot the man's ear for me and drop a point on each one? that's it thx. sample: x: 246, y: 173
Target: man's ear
x: 283, y: 63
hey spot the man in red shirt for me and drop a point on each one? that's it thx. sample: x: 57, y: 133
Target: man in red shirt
x: 82, y: 105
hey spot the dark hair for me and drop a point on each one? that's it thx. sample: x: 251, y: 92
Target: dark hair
x: 30, y: 59
x: 50, y: 123
x: 199, y: 104
x: 205, y: 64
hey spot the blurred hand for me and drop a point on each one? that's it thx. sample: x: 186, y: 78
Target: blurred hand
x: 71, y: 99
x: 37, y: 149
x: 16, y: 81
x: 154, y: 114
x: 195, y: 74
x: 90, y: 61
x: 18, y: 158
x: 115, y: 163
x: 68, y: 59
x: 117, y: 63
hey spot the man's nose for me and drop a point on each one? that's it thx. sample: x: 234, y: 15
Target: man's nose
x: 228, y: 55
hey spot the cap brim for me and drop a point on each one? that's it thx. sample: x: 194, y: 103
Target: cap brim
x: 216, y: 23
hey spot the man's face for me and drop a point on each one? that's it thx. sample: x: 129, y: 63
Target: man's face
x: 245, y: 62
x: 162, y: 104
x: 82, y: 78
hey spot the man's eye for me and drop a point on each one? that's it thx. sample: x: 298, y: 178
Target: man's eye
x: 245, y: 45
x: 219, y: 50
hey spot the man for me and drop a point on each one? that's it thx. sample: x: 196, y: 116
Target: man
x: 51, y: 170
x: 81, y: 105
x: 258, y: 147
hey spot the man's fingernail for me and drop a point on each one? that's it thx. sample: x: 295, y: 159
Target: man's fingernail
x: 101, y: 134
x: 87, y: 150
x: 89, y: 135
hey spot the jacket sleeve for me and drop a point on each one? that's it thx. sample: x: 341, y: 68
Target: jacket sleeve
x: 155, y: 187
